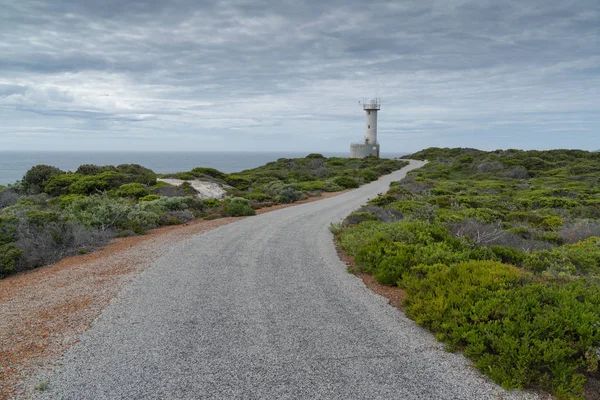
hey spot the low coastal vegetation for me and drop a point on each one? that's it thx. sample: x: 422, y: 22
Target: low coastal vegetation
x: 499, y: 255
x: 51, y: 213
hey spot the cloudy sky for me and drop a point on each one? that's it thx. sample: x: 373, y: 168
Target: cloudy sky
x: 288, y: 74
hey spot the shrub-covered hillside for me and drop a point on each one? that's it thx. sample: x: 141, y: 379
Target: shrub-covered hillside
x: 51, y: 213
x: 290, y: 179
x: 499, y: 255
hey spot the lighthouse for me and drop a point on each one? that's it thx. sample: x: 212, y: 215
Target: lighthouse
x: 369, y: 147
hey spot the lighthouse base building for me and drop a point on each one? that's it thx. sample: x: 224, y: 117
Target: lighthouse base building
x: 369, y: 147
x: 360, y: 150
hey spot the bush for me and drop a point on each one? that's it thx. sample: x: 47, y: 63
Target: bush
x: 577, y: 231
x: 208, y: 171
x: 315, y: 155
x: 9, y: 257
x: 135, y: 190
x: 60, y: 184
x: 96, y: 184
x: 176, y: 217
x: 48, y: 242
x: 508, y: 255
x: 91, y: 169
x: 289, y: 194
x: 373, y: 213
x: 259, y: 196
x: 368, y: 175
x: 346, y: 182
x: 36, y: 177
x: 238, y: 207
x: 8, y: 197
x: 139, y: 221
x: 517, y: 333
x: 150, y: 197
x: 163, y: 204
x: 517, y: 173
x: 99, y: 211
x: 238, y: 181
x: 357, y: 217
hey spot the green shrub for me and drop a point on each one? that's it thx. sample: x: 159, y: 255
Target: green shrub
x: 60, y: 184
x: 508, y: 255
x: 554, y: 262
x: 238, y: 207
x: 96, y: 184
x: 135, y: 190
x: 517, y: 333
x: 357, y: 217
x: 91, y: 169
x: 9, y: 257
x: 99, y: 211
x: 346, y: 182
x: 163, y: 204
x: 330, y: 186
x: 150, y: 197
x: 314, y: 156
x: 208, y: 171
x: 8, y: 228
x: 289, y: 194
x: 258, y: 196
x: 139, y: 221
x: 212, y: 203
x: 238, y: 181
x: 551, y: 223
x: 368, y: 175
x: 36, y: 177
x: 40, y: 218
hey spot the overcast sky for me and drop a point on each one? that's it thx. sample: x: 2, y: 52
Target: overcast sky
x: 288, y: 74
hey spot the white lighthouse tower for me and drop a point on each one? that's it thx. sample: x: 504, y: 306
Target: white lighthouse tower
x: 370, y: 147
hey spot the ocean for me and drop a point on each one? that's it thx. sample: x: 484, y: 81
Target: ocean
x: 14, y: 164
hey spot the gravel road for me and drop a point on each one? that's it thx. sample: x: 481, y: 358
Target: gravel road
x: 262, y: 309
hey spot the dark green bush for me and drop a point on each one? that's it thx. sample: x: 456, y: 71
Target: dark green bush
x: 259, y: 196
x: 36, y: 177
x: 91, y: 169
x: 9, y: 257
x: 237, y: 181
x: 346, y: 182
x: 96, y: 184
x: 508, y: 255
x: 238, y: 207
x: 208, y: 171
x: 368, y: 175
x: 60, y: 184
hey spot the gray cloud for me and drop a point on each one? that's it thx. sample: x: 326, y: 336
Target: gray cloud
x: 268, y: 75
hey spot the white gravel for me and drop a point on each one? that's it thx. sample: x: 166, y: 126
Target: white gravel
x: 263, y: 309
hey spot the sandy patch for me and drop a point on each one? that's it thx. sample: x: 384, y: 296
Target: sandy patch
x: 206, y: 190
